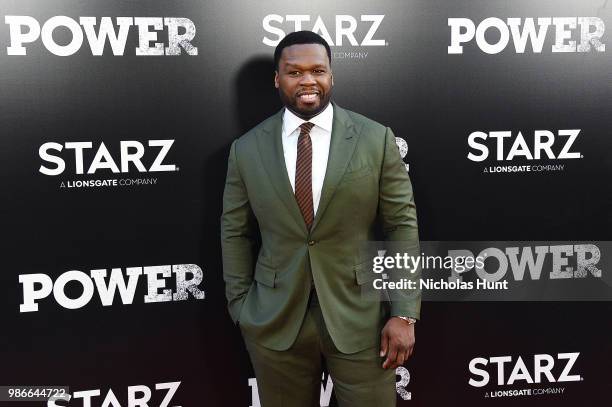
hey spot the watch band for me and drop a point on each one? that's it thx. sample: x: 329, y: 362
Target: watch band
x: 407, y: 319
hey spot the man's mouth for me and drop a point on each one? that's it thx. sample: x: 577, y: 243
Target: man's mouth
x: 308, y: 97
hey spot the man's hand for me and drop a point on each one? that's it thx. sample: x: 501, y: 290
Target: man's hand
x: 396, y: 342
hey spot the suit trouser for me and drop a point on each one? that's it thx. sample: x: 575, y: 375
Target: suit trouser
x: 292, y: 378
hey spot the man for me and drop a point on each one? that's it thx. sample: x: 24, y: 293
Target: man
x: 314, y: 181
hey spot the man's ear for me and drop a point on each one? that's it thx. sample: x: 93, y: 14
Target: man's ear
x: 276, y: 79
x: 332, y: 78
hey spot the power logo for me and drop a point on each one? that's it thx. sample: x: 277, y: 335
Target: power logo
x: 327, y: 387
x: 39, y: 286
x: 527, y: 262
x: 180, y: 32
x: 524, y: 31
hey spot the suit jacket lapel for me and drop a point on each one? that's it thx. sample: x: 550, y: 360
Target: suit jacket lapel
x: 344, y: 137
x: 270, y: 145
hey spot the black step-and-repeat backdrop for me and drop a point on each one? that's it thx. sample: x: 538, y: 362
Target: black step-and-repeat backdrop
x: 116, y: 120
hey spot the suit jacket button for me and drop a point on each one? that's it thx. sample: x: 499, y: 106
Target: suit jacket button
x: 311, y: 243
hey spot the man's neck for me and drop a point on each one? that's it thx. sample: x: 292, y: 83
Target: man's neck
x: 307, y: 117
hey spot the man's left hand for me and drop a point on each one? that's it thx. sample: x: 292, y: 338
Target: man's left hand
x: 396, y: 342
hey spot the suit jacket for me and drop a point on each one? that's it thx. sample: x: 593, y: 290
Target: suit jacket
x: 366, y: 184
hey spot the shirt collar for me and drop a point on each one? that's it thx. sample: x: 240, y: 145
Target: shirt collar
x: 323, y: 120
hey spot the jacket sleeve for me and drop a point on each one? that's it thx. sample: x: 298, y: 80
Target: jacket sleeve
x: 237, y: 237
x: 399, y: 220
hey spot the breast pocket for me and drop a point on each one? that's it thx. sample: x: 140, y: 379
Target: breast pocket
x: 353, y: 175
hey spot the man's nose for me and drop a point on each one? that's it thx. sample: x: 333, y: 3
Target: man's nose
x: 307, y: 79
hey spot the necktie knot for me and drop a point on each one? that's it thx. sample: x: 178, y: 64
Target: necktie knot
x: 306, y: 127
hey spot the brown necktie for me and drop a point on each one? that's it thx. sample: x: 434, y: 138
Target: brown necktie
x: 303, y: 174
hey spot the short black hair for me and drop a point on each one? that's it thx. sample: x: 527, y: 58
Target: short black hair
x: 299, y: 37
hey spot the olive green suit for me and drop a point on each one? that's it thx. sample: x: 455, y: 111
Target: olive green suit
x: 366, y: 185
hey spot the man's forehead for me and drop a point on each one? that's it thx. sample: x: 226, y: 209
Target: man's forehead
x: 296, y: 52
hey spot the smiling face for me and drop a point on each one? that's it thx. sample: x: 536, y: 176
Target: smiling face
x: 304, y: 79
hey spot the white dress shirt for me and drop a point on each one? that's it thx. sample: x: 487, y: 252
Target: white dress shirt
x: 320, y: 136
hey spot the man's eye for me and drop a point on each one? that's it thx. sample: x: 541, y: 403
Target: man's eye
x: 319, y: 71
x: 294, y: 73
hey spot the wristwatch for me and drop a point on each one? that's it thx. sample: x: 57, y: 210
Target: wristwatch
x: 407, y: 319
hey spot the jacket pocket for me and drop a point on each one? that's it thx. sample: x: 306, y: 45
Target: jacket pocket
x: 265, y: 274
x: 356, y: 174
x: 363, y: 272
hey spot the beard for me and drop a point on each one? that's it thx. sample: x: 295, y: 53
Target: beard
x: 305, y: 106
